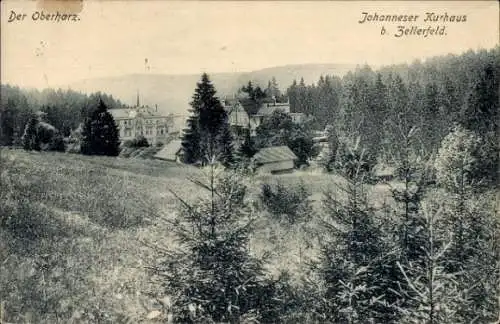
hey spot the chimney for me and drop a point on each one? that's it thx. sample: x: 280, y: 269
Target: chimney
x: 156, y: 107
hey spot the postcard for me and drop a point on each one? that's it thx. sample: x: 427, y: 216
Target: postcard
x: 249, y: 162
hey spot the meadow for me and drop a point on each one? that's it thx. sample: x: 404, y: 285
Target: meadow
x: 78, y: 245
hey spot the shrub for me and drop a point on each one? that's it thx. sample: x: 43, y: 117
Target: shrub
x: 139, y: 141
x: 464, y: 160
x: 291, y: 203
x: 39, y: 135
x: 57, y: 143
x: 45, y: 132
x: 31, y: 141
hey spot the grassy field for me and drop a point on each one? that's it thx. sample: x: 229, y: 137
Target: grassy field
x: 73, y: 252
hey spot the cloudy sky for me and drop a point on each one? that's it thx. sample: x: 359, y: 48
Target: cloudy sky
x: 116, y: 37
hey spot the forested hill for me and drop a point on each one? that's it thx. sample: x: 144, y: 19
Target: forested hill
x: 65, y: 109
x: 430, y: 95
x: 172, y: 93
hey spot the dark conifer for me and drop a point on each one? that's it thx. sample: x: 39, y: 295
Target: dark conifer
x: 7, y: 123
x: 211, y: 275
x: 225, y: 145
x: 247, y: 148
x: 100, y: 135
x: 352, y: 262
x: 191, y: 140
x: 207, y: 136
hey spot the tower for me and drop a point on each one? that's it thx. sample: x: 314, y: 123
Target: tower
x: 137, y: 104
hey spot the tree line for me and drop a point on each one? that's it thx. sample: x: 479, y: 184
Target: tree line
x: 65, y: 110
x: 433, y: 95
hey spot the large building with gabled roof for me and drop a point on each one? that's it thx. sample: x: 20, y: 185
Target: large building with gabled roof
x: 142, y: 120
x: 246, y: 114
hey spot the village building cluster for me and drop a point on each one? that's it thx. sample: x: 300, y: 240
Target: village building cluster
x: 244, y: 116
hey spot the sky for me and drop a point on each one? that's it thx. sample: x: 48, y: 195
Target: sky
x: 113, y: 38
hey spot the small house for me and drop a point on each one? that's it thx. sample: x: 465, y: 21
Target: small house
x: 237, y: 115
x: 275, y: 159
x: 170, y: 152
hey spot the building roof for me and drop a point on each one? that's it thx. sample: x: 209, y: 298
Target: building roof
x: 269, y: 108
x: 228, y: 102
x: 252, y: 107
x: 124, y: 113
x: 264, y: 107
x: 120, y: 113
x: 319, y: 139
x: 169, y: 151
x: 274, y: 154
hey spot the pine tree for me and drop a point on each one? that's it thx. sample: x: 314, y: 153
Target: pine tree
x: 377, y: 113
x: 458, y: 164
x: 31, y: 141
x: 329, y: 157
x: 432, y: 293
x: 191, y: 149
x: 431, y: 112
x: 248, y: 89
x: 292, y: 94
x: 247, y: 148
x: 398, y: 108
x: 100, y: 135
x: 481, y: 110
x: 352, y: 261
x: 412, y: 171
x: 273, y: 90
x: 208, y: 134
x: 301, y: 102
x: 7, y: 115
x: 470, y: 219
x: 225, y: 144
x: 211, y: 275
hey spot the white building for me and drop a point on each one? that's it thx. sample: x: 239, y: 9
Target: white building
x: 142, y: 120
x: 246, y: 114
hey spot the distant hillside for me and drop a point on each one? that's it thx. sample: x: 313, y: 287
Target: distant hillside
x: 172, y: 93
